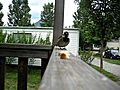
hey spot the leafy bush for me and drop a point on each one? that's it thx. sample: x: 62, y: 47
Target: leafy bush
x: 86, y: 56
x: 24, y: 39
x: 41, y: 41
x: 2, y: 36
x: 11, y: 39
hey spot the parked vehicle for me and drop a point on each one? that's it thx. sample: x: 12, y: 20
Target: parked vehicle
x: 112, y: 54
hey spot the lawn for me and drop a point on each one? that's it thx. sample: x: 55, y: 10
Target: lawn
x: 113, y: 61
x: 11, y: 78
x: 107, y: 74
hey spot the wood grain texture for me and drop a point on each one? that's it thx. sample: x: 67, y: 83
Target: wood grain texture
x: 73, y: 74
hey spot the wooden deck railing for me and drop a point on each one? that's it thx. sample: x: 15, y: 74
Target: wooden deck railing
x: 73, y: 74
x: 23, y: 52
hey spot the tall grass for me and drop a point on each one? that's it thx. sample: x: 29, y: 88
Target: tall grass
x: 23, y: 38
x: 32, y: 82
x: 2, y: 36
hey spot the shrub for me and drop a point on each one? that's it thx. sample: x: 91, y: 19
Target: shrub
x: 2, y: 36
x: 86, y: 56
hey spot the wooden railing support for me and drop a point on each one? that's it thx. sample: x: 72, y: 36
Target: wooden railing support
x: 2, y: 73
x: 44, y: 63
x: 22, y: 73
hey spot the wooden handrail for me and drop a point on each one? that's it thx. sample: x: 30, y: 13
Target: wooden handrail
x: 20, y: 50
x: 23, y: 52
x: 73, y: 74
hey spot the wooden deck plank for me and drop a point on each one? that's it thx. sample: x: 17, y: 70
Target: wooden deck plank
x: 73, y: 74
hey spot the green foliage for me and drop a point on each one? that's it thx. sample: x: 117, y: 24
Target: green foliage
x: 1, y: 14
x: 11, y: 39
x: 2, y: 36
x: 44, y: 41
x: 86, y: 56
x: 19, y: 13
x: 115, y: 7
x: 82, y: 20
x: 98, y: 20
x: 113, y: 61
x: 47, y: 40
x: 23, y: 38
x: 47, y: 15
x: 104, y: 15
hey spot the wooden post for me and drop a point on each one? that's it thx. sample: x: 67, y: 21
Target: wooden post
x: 119, y: 45
x: 44, y: 63
x: 58, y: 20
x: 22, y: 73
x: 2, y: 73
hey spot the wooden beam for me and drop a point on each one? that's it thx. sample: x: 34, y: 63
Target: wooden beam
x: 2, y: 73
x: 58, y: 20
x: 19, y: 50
x: 22, y: 73
x: 44, y: 63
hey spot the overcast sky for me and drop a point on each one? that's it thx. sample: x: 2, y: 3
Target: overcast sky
x: 37, y: 6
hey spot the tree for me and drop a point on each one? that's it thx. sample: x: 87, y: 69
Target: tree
x: 1, y: 14
x: 98, y: 20
x: 19, y: 13
x: 115, y: 6
x: 47, y: 15
x: 104, y: 15
x: 84, y: 22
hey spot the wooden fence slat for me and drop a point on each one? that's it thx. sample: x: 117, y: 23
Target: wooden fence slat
x: 22, y: 73
x: 2, y: 73
x: 44, y: 63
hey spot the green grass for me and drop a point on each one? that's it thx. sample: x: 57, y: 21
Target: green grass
x: 113, y: 61
x: 107, y: 74
x: 11, y: 79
